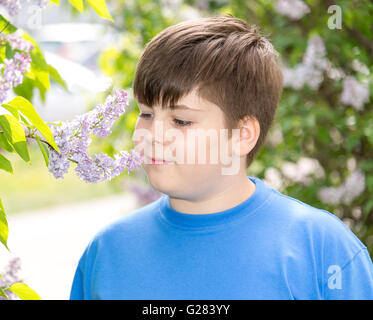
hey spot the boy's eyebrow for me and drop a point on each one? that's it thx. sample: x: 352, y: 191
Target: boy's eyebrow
x: 180, y: 106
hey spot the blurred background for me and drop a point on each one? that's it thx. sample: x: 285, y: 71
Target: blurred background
x: 319, y: 149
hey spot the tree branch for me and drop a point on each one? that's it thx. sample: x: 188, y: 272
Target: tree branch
x: 46, y: 142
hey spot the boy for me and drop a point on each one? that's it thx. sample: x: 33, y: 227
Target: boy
x: 213, y: 234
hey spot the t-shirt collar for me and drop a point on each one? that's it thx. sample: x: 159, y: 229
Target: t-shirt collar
x: 201, y: 221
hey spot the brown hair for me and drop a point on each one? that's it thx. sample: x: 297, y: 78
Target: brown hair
x: 228, y: 62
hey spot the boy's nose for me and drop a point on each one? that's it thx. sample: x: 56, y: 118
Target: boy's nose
x: 158, y: 131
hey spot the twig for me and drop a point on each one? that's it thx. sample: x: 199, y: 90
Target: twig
x: 46, y: 142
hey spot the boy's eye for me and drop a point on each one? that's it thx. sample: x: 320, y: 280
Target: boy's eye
x: 178, y: 122
x: 144, y: 115
x: 182, y: 123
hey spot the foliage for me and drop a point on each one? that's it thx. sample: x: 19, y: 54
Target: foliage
x: 30, y: 71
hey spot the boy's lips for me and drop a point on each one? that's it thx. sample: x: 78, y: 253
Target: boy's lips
x: 157, y: 161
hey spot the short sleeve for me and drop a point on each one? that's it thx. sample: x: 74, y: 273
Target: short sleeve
x: 353, y: 281
x: 76, y: 292
x: 80, y: 289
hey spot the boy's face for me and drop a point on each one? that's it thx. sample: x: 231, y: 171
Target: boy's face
x: 186, y: 138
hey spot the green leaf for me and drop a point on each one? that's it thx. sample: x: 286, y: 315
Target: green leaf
x: 323, y: 134
x: 369, y: 183
x: 9, y: 53
x: 15, y: 134
x: 57, y: 2
x: 3, y: 227
x: 100, y: 7
x: 42, y: 90
x: 2, y: 53
x: 24, y: 119
x: 366, y: 165
x: 27, y: 109
x: 367, y: 208
x: 39, y: 70
x: 12, y: 110
x: 5, y: 164
x: 2, y: 293
x: 23, y: 291
x: 25, y: 89
x: 6, y: 26
x: 44, y: 151
x: 77, y: 4
x: 5, y: 144
x: 56, y: 76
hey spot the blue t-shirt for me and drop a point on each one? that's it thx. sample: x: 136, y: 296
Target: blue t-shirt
x: 270, y: 246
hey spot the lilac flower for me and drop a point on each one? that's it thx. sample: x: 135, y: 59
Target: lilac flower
x: 105, y: 114
x: 14, y: 6
x: 10, y: 276
x: 73, y: 139
x: 294, y: 9
x: 12, y: 70
x: 301, y: 171
x: 354, y: 93
x: 310, y: 71
x: 273, y: 178
x: 347, y: 192
x: 16, y: 41
x: 133, y: 159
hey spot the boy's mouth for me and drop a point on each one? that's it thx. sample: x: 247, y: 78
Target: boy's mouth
x: 158, y: 162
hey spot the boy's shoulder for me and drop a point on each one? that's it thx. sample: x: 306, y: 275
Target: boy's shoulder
x: 311, y: 221
x: 129, y: 224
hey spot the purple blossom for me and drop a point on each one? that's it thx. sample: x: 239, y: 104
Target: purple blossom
x: 16, y: 41
x: 354, y: 93
x: 106, y: 114
x: 14, y: 6
x: 73, y: 139
x: 346, y: 193
x: 310, y: 70
x: 294, y: 9
x: 10, y: 276
x: 11, y: 72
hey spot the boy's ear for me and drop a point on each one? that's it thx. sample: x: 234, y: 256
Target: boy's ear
x: 249, y: 134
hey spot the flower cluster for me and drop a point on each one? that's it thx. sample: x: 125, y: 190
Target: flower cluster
x: 10, y: 276
x: 293, y: 9
x: 73, y: 139
x: 12, y: 70
x: 310, y: 71
x: 354, y: 93
x: 13, y: 6
x: 347, y: 192
x: 16, y: 41
x: 302, y: 171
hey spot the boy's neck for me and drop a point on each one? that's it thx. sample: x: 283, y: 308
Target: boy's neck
x: 234, y: 194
